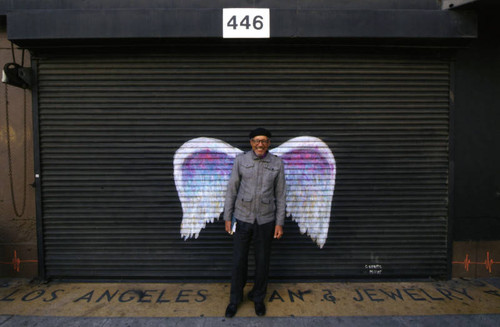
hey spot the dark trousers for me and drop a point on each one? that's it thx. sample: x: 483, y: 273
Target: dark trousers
x: 262, y: 236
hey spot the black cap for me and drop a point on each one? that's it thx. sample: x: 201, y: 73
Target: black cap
x: 259, y: 131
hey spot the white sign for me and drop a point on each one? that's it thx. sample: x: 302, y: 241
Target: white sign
x: 245, y: 23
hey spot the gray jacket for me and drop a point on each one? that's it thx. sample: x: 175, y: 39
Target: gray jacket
x: 256, y: 189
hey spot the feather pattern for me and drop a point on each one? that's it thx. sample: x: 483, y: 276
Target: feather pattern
x: 310, y: 179
x: 201, y: 171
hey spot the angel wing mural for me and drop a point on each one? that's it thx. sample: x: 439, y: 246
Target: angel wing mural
x: 202, y: 167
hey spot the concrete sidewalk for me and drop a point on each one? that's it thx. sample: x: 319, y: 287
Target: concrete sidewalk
x: 444, y: 303
x: 427, y: 321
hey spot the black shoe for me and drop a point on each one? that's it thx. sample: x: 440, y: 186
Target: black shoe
x: 260, y: 308
x: 231, y: 310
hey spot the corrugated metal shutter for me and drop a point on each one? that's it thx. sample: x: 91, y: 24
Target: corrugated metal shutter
x: 111, y: 123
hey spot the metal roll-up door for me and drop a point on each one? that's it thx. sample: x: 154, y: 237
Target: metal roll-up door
x: 110, y: 125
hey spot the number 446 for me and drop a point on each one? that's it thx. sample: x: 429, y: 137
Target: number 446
x: 256, y: 22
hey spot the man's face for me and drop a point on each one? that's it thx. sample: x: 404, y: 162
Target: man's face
x: 260, y: 144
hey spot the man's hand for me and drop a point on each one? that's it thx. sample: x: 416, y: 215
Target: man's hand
x: 228, y: 226
x: 278, y: 231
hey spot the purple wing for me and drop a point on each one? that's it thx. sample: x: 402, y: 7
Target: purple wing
x: 310, y: 182
x: 201, y: 171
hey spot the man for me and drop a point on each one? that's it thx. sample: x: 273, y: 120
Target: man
x: 256, y: 199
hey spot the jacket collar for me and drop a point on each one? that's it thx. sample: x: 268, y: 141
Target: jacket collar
x: 266, y: 158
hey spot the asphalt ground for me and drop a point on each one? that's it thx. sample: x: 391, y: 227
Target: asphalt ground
x: 457, y: 302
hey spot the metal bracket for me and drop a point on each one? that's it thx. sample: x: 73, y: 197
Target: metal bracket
x: 452, y: 4
x: 16, y: 75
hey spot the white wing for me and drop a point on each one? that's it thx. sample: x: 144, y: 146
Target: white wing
x: 310, y: 182
x: 202, y: 167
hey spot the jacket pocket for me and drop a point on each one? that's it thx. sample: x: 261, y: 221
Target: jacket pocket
x: 246, y: 170
x: 270, y: 172
x: 267, y: 207
x: 243, y: 206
